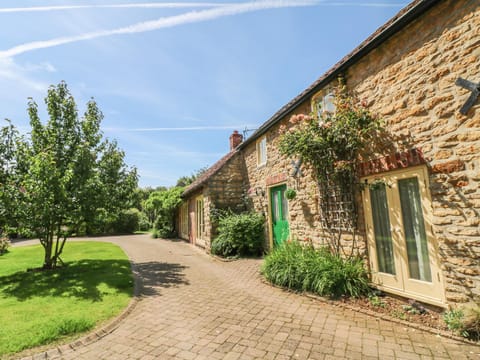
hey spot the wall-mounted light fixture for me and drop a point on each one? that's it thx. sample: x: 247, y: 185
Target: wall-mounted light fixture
x: 260, y: 191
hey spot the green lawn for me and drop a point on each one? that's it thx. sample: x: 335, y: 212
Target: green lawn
x: 40, y: 307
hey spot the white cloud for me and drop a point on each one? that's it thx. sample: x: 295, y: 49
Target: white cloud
x: 164, y: 22
x: 43, y: 66
x: 18, y: 74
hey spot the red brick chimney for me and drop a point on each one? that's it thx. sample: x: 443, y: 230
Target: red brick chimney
x: 235, y: 140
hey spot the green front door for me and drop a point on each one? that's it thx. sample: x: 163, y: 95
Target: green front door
x: 279, y: 209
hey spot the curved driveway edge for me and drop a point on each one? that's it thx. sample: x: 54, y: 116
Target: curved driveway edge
x: 191, y: 306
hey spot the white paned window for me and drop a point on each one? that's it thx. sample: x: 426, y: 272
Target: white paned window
x: 262, y: 151
x: 323, y: 102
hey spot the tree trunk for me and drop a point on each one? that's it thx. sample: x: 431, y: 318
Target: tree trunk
x: 48, y: 260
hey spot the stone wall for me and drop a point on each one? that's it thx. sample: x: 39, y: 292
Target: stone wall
x: 410, y: 82
x: 224, y: 190
x: 304, y: 212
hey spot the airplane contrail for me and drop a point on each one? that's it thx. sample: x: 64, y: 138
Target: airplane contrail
x: 187, y: 128
x: 172, y: 21
x: 164, y: 22
x: 170, y: 5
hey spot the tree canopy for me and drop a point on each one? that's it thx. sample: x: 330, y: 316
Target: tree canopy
x: 63, y: 174
x: 160, y: 208
x: 187, y: 180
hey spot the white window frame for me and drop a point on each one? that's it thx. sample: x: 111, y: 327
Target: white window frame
x: 323, y: 102
x: 262, y: 151
x: 199, y: 217
x: 184, y: 219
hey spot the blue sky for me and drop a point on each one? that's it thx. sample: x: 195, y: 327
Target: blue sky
x: 175, y: 78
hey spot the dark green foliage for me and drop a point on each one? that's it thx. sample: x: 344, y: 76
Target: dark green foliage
x: 4, y: 244
x: 290, y: 194
x: 187, y: 180
x: 222, y: 246
x: 127, y: 221
x: 143, y: 223
x: 105, y: 223
x: 160, y: 207
x: 164, y: 228
x: 305, y: 268
x: 239, y: 235
x: 284, y: 266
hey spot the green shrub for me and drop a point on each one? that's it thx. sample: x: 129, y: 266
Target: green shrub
x: 4, y: 244
x: 143, y: 223
x: 239, y: 235
x: 454, y: 320
x: 164, y: 228
x: 290, y: 194
x: 300, y: 267
x: 465, y: 322
x: 126, y: 222
x: 105, y: 223
x: 222, y: 246
x: 161, y: 207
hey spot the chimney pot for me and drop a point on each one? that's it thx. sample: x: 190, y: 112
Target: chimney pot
x: 235, y: 140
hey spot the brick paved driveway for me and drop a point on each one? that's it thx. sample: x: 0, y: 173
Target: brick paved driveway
x: 195, y: 307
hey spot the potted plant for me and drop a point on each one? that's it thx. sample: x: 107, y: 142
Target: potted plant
x: 290, y: 194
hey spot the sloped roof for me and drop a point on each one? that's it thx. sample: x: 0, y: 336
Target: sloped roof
x: 207, y: 174
x: 404, y: 17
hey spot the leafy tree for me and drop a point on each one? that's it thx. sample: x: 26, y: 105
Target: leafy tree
x: 117, y: 186
x: 151, y: 206
x: 10, y: 142
x: 69, y: 172
x: 161, y: 206
x: 187, y: 180
x: 140, y: 196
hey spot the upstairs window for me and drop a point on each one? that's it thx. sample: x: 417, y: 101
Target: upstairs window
x: 323, y: 102
x: 262, y: 151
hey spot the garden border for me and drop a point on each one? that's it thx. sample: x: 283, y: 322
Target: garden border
x: 376, y: 315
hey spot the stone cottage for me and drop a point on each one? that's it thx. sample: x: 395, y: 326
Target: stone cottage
x: 220, y: 187
x: 420, y: 229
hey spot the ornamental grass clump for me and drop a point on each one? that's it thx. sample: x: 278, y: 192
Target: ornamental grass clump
x: 464, y: 321
x: 304, y: 268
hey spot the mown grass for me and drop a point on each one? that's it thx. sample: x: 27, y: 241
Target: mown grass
x: 40, y: 307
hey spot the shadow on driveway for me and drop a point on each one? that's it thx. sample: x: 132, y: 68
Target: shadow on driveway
x: 155, y: 275
x: 83, y: 279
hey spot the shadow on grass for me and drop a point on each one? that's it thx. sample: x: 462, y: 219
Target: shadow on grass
x: 91, y: 279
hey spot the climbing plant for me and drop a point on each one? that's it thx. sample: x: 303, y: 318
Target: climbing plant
x: 334, y: 144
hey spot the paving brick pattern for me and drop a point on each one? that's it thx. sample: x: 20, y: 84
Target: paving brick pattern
x: 195, y: 307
